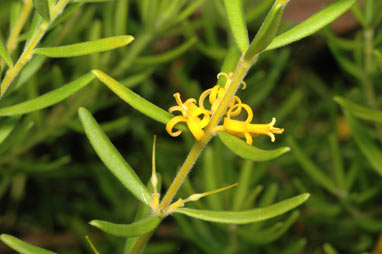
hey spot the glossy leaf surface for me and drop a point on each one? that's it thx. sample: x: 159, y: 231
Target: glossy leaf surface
x: 236, y: 18
x: 112, y: 158
x: 49, y: 98
x: 23, y: 247
x: 245, y: 217
x: 312, y: 24
x: 134, y: 99
x: 85, y: 48
x: 359, y: 111
x: 128, y: 230
x: 245, y: 151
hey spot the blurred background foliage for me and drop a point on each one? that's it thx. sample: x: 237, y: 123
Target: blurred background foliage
x: 52, y: 183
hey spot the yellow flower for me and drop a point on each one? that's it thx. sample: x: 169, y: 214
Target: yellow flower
x: 244, y: 129
x: 216, y: 95
x: 196, y: 118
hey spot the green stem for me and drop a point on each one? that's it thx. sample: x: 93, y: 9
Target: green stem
x: 368, y: 72
x: 239, y: 74
x: 13, y: 37
x: 137, y: 47
x: 28, y: 52
x: 141, y: 243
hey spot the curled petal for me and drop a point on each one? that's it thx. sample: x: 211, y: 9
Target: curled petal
x: 248, y: 138
x: 237, y: 111
x: 175, y: 108
x: 205, y: 120
x: 223, y: 74
x: 171, y: 124
x: 203, y: 97
x: 190, y: 101
x: 195, y: 129
x: 246, y: 107
x: 214, y: 94
x: 244, y: 85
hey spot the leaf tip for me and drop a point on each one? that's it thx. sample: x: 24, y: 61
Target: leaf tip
x: 304, y: 197
x: 337, y: 99
x: 282, y: 2
x: 286, y: 149
x: 128, y: 38
x: 82, y: 110
x: 94, y: 223
x: 5, y: 237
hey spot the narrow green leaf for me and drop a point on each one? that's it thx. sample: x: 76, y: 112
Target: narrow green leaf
x: 90, y: 1
x: 267, y: 31
x: 41, y: 167
x: 137, y: 78
x: 357, y: 13
x: 245, y: 151
x: 42, y: 7
x: 230, y: 61
x: 4, y: 53
x: 371, y: 151
x: 23, y: 247
x: 378, y: 56
x: 167, y: 56
x: 128, y: 230
x: 329, y: 249
x: 34, y: 26
x: 241, y: 192
x: 49, y: 98
x: 29, y: 70
x: 345, y: 61
x: 338, y: 165
x: 85, y: 48
x: 7, y: 126
x: 269, y: 195
x: 270, y: 235
x: 16, y: 137
x: 312, y: 24
x: 295, y: 246
x: 258, y: 10
x: 359, y: 111
x: 209, y: 177
x: 134, y: 99
x: 112, y: 158
x: 311, y: 169
x: 186, y: 12
x: 236, y: 18
x: 249, y: 216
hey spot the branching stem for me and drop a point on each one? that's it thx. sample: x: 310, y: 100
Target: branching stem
x: 27, y: 54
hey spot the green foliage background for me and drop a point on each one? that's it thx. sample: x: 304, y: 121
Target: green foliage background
x: 52, y: 183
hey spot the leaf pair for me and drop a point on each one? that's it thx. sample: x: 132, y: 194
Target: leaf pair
x: 367, y: 146
x: 265, y: 38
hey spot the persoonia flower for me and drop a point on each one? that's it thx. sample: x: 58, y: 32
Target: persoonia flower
x: 196, y: 117
x: 216, y: 95
x: 244, y: 129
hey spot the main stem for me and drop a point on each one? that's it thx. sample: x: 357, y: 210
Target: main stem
x: 239, y: 74
x: 368, y: 72
x: 28, y: 52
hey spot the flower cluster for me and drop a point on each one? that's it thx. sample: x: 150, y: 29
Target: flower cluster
x: 197, y: 117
